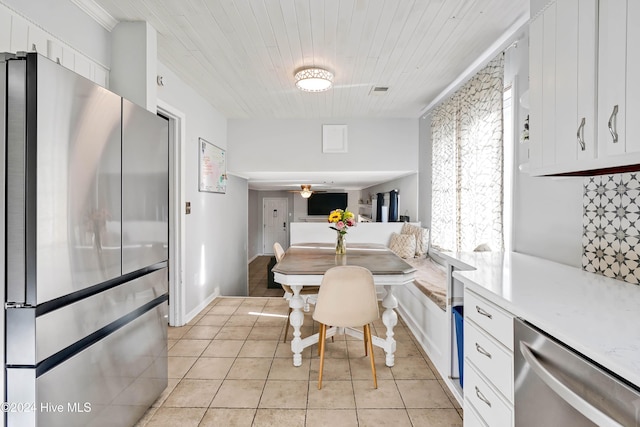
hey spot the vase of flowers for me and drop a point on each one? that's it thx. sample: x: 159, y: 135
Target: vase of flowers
x: 341, y: 248
x: 341, y: 220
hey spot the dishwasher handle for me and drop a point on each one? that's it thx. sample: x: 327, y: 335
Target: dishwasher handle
x: 571, y: 397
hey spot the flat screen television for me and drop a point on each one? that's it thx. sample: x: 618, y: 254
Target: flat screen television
x: 324, y: 203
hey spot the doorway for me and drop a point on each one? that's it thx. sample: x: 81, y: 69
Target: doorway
x: 176, y: 216
x: 275, y: 215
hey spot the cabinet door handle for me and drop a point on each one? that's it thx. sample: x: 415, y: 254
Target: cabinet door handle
x: 483, y: 312
x: 581, y: 134
x: 482, y: 351
x: 613, y: 124
x: 481, y: 397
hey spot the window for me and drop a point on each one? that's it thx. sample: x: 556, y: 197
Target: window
x: 467, y: 164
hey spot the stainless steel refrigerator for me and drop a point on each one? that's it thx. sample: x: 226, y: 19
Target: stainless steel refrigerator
x: 86, y: 249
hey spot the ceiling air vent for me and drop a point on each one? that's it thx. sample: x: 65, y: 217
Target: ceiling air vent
x: 378, y: 90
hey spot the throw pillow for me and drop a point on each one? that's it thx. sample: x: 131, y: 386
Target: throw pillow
x: 407, y: 228
x: 422, y: 241
x: 421, y: 235
x: 403, y: 245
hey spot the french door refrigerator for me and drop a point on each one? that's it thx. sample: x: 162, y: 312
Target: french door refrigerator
x: 85, y: 206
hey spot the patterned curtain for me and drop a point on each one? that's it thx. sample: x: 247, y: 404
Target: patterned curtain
x: 467, y: 164
x: 443, y: 185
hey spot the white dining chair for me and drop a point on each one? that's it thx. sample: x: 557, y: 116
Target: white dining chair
x: 347, y: 298
x: 308, y: 293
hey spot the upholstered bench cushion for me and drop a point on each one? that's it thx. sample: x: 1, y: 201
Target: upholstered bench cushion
x: 431, y: 280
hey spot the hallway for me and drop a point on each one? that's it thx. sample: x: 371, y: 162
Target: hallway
x: 258, y: 279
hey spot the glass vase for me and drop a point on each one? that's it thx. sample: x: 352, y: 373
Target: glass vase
x: 341, y: 247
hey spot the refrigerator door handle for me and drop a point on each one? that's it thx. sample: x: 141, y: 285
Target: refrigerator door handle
x: 562, y: 390
x: 17, y: 271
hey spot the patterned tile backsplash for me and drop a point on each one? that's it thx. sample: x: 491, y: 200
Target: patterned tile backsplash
x: 611, y: 226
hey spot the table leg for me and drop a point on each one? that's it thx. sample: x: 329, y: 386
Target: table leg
x: 297, y: 318
x: 390, y: 319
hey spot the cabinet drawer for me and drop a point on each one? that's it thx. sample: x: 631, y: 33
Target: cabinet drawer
x: 471, y: 417
x: 491, y: 358
x: 483, y: 397
x: 495, y: 321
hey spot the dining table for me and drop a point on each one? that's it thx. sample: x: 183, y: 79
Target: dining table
x: 304, y: 264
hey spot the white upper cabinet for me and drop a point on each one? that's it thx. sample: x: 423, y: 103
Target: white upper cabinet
x: 563, y: 47
x: 619, y: 85
x: 584, y: 87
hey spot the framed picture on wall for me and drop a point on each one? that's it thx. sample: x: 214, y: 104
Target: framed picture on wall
x: 212, y: 168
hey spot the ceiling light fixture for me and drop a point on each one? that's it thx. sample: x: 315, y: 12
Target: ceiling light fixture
x: 306, y: 191
x: 314, y: 79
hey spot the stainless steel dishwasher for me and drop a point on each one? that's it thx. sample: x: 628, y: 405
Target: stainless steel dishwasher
x: 555, y: 386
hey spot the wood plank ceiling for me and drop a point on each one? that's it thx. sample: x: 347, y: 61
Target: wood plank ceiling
x: 241, y: 55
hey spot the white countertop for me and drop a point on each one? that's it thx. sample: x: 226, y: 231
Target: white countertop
x: 595, y: 315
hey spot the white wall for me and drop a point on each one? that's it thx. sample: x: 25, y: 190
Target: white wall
x: 424, y: 172
x: 67, y: 22
x: 547, y: 212
x: 296, y: 145
x: 134, y: 67
x: 254, y: 246
x: 407, y: 194
x: 366, y: 232
x: 228, y: 237
x: 216, y: 230
x: 20, y: 32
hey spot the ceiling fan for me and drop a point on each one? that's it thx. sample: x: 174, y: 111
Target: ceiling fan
x: 305, y: 191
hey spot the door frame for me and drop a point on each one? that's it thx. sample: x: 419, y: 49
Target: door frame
x: 264, y: 225
x: 177, y: 246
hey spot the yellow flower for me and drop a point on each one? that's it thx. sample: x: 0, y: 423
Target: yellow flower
x: 335, y: 216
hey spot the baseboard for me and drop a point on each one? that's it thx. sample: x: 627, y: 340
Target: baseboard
x: 259, y: 255
x: 193, y: 313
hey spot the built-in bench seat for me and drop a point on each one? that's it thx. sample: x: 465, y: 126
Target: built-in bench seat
x: 431, y: 280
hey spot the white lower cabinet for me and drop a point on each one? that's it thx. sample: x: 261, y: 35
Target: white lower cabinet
x: 494, y: 410
x: 488, y: 363
x: 471, y: 417
x: 490, y: 357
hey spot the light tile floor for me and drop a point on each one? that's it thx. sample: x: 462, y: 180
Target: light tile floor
x: 229, y: 367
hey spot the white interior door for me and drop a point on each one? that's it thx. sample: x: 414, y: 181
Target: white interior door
x: 275, y: 212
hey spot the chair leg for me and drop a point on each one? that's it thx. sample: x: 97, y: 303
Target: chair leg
x: 367, y: 333
x: 325, y: 338
x: 321, y: 344
x: 286, y: 331
x: 366, y: 341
